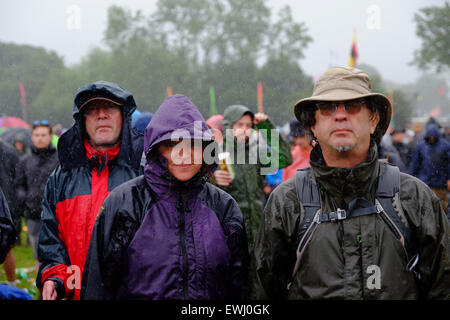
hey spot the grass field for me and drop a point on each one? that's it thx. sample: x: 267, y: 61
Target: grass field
x: 25, y: 266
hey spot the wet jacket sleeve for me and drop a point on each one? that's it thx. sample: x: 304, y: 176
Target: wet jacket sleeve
x: 274, y: 254
x: 237, y: 244
x: 428, y: 221
x: 93, y: 284
x: 115, y: 226
x: 9, y: 160
x: 20, y: 185
x: 52, y: 253
x: 7, y: 230
x: 278, y: 146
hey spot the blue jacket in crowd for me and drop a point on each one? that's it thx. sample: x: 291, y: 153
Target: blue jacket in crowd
x: 430, y: 162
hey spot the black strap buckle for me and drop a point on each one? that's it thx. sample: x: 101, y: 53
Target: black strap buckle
x: 339, y: 214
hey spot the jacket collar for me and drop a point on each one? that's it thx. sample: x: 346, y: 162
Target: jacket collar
x: 100, y: 159
x: 110, y: 153
x: 43, y: 152
x: 345, y: 184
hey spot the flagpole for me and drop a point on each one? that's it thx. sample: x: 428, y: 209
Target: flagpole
x: 260, y: 97
x: 212, y: 101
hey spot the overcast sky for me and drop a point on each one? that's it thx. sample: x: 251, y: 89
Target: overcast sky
x: 385, y: 29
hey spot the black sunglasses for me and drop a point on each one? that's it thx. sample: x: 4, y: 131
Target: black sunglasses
x: 328, y: 108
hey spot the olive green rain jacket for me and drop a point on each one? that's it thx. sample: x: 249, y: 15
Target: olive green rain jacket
x: 247, y: 186
x: 355, y: 258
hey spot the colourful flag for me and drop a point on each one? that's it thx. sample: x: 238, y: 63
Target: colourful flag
x: 212, y: 101
x: 260, y: 97
x: 353, y: 52
x: 169, y: 91
x: 435, y: 112
x: 23, y: 94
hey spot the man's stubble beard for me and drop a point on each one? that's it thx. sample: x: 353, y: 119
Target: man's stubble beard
x: 343, y: 148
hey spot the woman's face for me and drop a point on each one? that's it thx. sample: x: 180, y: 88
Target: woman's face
x: 184, y: 157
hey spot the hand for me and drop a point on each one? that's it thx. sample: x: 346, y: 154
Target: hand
x: 223, y: 178
x: 448, y: 185
x: 267, y: 189
x: 259, y: 117
x: 49, y: 291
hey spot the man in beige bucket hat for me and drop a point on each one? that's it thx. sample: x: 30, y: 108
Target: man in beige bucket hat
x: 351, y: 226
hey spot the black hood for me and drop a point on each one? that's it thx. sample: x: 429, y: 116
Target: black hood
x: 71, y: 149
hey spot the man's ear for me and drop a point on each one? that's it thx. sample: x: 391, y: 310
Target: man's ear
x: 374, y: 120
x: 313, y: 129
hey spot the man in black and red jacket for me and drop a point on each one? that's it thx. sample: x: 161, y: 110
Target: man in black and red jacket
x: 99, y: 152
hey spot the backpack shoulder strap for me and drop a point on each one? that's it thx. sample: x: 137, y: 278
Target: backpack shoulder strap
x: 388, y: 188
x: 308, y: 195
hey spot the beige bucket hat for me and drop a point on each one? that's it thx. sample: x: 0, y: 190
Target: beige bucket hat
x: 346, y: 83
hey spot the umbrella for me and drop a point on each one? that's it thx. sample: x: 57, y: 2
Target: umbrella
x: 9, y: 122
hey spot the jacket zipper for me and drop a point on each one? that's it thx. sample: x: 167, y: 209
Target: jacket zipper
x: 180, y: 207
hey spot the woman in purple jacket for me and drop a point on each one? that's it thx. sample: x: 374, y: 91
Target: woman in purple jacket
x: 169, y: 234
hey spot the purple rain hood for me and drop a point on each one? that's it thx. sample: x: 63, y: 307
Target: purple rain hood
x: 179, y: 118
x: 159, y: 238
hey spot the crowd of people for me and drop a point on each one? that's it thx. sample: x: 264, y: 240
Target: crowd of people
x: 173, y: 206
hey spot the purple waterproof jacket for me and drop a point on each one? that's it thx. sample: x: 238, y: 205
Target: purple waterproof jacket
x: 158, y: 238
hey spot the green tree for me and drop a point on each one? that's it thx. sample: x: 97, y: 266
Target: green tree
x: 30, y: 65
x: 286, y: 38
x: 284, y: 83
x: 375, y: 77
x: 193, y: 45
x: 428, y: 92
x: 433, y: 28
x: 403, y: 104
x: 142, y: 66
x: 237, y: 83
x: 123, y: 25
x: 402, y: 109
x: 55, y: 99
x: 212, y: 30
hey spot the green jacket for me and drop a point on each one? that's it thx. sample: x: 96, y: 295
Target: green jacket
x: 247, y: 186
x: 339, y: 260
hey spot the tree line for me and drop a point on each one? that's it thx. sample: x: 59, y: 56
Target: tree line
x: 189, y: 45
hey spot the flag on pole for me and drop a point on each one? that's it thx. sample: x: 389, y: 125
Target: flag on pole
x: 260, y: 97
x: 23, y: 94
x: 23, y: 98
x: 435, y: 112
x: 353, y: 52
x: 212, y: 101
x: 169, y: 91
